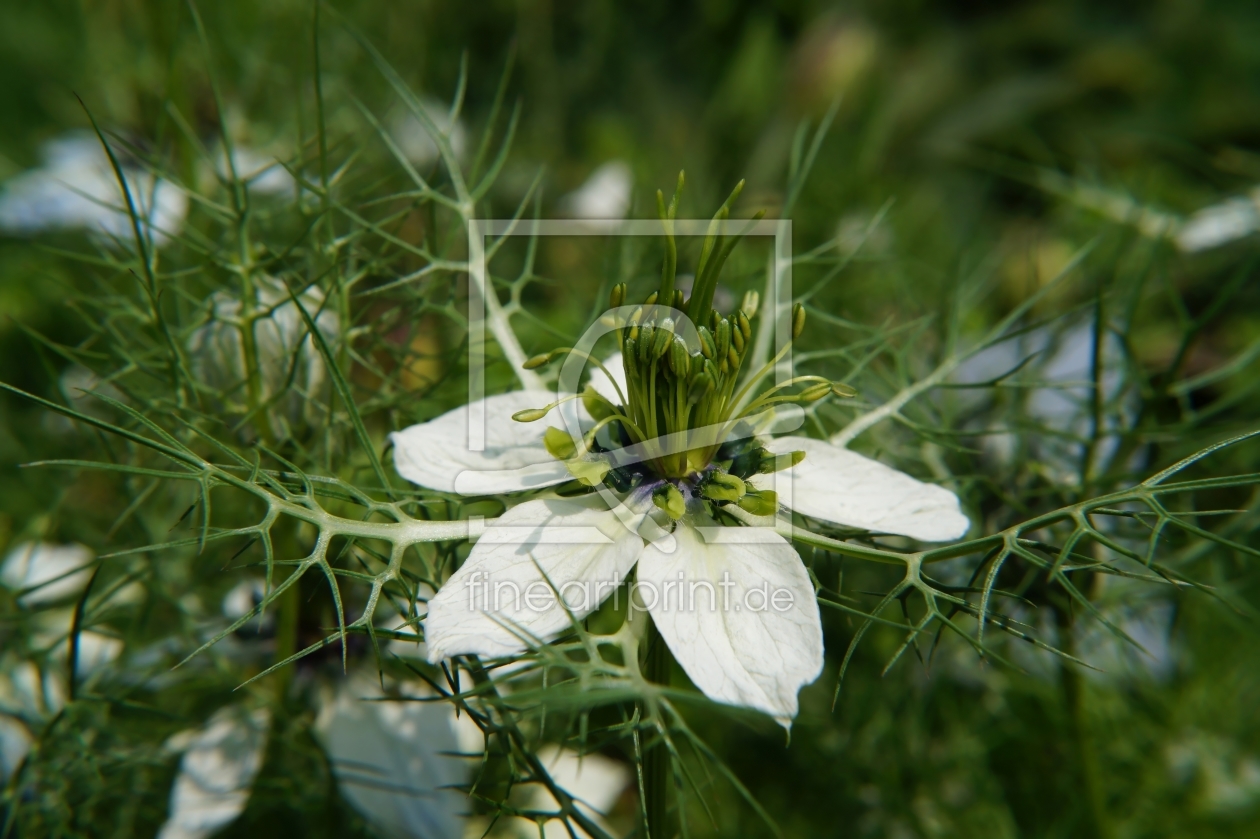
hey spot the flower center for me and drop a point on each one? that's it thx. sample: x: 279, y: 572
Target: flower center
x: 687, y: 417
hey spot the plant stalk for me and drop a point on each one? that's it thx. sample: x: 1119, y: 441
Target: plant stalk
x: 658, y: 668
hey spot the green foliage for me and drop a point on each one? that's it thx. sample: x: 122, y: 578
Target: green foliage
x: 953, y: 174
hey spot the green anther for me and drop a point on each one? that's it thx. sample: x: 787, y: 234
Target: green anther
x: 617, y: 296
x: 651, y: 299
x: 747, y: 463
x: 843, y: 391
x: 589, y: 472
x: 814, y: 392
x: 732, y: 358
x: 700, y: 387
x: 537, y: 361
x: 530, y: 414
x: 780, y: 461
x: 697, y: 365
x: 646, y: 336
x: 721, y: 486
x: 745, y: 325
x: 679, y: 358
x: 559, y: 444
x: 749, y: 304
x: 722, y: 338
x: 664, y: 336
x: 707, y: 349
x: 596, y: 405
x: 737, y: 341
x: 670, y: 499
x: 760, y: 502
x: 798, y: 320
x: 724, y: 368
x: 711, y: 369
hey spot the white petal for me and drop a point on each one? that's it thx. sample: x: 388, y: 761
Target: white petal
x: 594, y: 781
x: 604, y: 195
x: 435, y: 454
x: 392, y: 760
x: 54, y: 572
x: 216, y: 773
x: 499, y: 598
x: 604, y: 385
x: 844, y: 487
x: 758, y: 638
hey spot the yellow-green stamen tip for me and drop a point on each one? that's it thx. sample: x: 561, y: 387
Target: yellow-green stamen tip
x: 670, y: 499
x: 530, y: 414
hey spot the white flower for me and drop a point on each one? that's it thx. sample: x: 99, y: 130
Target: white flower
x: 216, y: 773
x: 394, y: 761
x: 46, y: 572
x: 604, y: 195
x: 280, y: 335
x: 754, y: 642
x: 263, y: 173
x: 413, y: 140
x: 77, y: 188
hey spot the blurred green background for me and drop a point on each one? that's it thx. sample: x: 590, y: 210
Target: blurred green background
x: 996, y: 138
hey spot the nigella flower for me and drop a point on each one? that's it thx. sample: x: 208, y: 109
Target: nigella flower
x: 665, y: 435
x: 287, y: 358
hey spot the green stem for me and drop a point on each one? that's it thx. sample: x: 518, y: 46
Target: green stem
x: 1097, y: 825
x: 656, y: 766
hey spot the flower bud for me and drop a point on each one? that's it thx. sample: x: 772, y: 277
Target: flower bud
x: 748, y: 306
x: 664, y: 336
x: 651, y: 298
x: 737, y: 340
x: 617, y: 296
x: 732, y: 358
x: 680, y: 299
x: 679, y: 358
x: 671, y: 500
x: 745, y: 326
x: 760, y: 502
x: 706, y: 342
x: 722, y: 338
x: 843, y: 391
x: 798, y: 320
x: 646, y: 336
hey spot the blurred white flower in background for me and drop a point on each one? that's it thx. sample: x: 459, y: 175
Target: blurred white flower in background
x: 263, y: 173
x: 216, y: 772
x: 46, y: 572
x: 595, y: 781
x: 76, y: 188
x: 604, y: 195
x: 1210, y: 227
x: 412, y: 139
x: 1062, y: 365
x: 1221, y: 223
x: 281, y: 338
x: 393, y: 760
